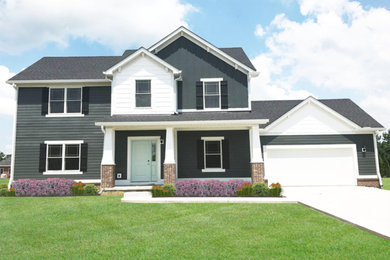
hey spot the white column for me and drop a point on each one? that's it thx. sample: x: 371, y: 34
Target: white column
x: 108, y: 148
x: 169, y: 146
x: 256, y: 154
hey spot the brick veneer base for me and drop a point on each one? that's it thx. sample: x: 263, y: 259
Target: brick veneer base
x: 108, y: 176
x: 257, y: 172
x: 169, y: 173
x: 369, y: 182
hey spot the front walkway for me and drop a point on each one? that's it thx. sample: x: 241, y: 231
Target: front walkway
x: 366, y: 207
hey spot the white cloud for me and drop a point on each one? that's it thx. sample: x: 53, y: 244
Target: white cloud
x: 119, y: 24
x: 340, y: 47
x: 7, y: 93
x: 259, y: 32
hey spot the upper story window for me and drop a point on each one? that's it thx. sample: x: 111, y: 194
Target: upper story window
x: 211, y: 94
x: 143, y: 95
x: 65, y: 101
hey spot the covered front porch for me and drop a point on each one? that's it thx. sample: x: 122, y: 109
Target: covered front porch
x: 138, y: 155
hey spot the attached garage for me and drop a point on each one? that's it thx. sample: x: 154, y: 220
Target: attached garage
x: 311, y: 165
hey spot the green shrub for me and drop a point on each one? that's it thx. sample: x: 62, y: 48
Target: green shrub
x: 245, y: 190
x: 3, y: 192
x: 78, y: 188
x: 167, y: 190
x: 90, y: 189
x: 259, y: 189
x: 275, y: 190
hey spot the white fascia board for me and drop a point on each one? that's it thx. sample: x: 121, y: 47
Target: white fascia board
x: 184, y: 123
x: 318, y: 103
x: 56, y: 81
x: 141, y: 51
x: 182, y: 31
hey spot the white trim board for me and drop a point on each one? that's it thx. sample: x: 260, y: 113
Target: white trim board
x: 186, y: 123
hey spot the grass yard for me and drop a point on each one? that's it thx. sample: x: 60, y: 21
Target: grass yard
x: 4, y: 181
x: 103, y: 227
x: 386, y: 183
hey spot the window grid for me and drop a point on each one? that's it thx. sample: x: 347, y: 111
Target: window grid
x: 65, y: 101
x: 140, y: 93
x: 63, y: 156
x: 206, y: 153
x: 216, y: 94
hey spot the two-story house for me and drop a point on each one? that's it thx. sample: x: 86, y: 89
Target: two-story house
x: 181, y: 109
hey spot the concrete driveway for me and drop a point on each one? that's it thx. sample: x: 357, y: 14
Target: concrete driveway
x: 363, y: 206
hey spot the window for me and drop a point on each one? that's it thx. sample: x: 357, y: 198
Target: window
x: 213, y: 153
x: 143, y: 94
x: 65, y: 101
x: 212, y: 95
x: 1, y: 170
x: 63, y: 156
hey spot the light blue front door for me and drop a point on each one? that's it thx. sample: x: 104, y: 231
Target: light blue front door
x: 143, y: 163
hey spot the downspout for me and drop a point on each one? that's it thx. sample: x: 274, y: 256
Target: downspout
x: 11, y: 178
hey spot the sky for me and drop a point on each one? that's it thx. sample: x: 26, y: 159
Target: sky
x: 325, y: 49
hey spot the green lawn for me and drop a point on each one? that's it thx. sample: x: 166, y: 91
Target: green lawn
x: 4, y: 181
x: 386, y: 183
x: 103, y: 227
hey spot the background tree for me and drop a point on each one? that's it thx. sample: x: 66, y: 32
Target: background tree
x: 384, y: 153
x: 2, y: 156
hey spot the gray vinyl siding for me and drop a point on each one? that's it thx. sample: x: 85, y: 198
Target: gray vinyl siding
x: 366, y: 163
x: 196, y: 63
x: 121, y: 138
x: 239, y: 154
x: 33, y: 128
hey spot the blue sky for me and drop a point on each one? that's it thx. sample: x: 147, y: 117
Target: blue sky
x: 328, y: 49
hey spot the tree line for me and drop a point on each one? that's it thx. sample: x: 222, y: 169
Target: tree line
x: 384, y: 153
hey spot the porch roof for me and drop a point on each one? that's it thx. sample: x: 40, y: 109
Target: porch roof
x: 263, y: 112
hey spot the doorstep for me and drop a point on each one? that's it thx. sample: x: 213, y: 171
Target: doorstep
x: 146, y: 197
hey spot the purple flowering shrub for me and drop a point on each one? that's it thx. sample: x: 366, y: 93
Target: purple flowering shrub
x: 41, y: 188
x: 208, y: 188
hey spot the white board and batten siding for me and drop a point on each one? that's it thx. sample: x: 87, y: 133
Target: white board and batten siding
x: 163, y: 88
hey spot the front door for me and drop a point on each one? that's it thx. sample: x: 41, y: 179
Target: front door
x: 143, y: 164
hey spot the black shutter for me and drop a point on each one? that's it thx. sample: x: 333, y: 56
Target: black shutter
x: 45, y: 101
x: 200, y: 154
x: 224, y: 95
x: 85, y: 101
x: 84, y: 157
x: 199, y: 95
x: 42, y: 157
x: 225, y: 154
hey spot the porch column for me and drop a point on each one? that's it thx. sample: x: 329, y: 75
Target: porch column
x: 257, y: 163
x: 169, y: 163
x: 108, y: 161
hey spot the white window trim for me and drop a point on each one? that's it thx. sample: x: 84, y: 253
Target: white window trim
x: 212, y: 138
x: 65, y: 114
x: 204, y: 80
x: 135, y: 95
x: 62, y: 171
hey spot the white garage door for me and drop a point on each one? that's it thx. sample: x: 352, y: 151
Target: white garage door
x: 311, y: 165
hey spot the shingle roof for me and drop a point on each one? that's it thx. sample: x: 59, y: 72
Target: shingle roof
x: 6, y: 162
x: 238, y: 54
x: 272, y: 110
x: 92, y: 67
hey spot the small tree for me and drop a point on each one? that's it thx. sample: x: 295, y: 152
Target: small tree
x: 384, y: 153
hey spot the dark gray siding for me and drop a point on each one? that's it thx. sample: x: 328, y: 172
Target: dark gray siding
x: 239, y: 154
x: 33, y: 128
x: 196, y: 63
x: 121, y: 149
x: 366, y: 162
